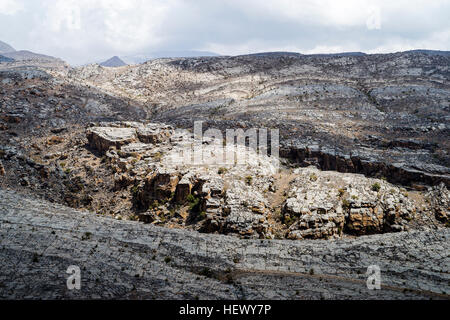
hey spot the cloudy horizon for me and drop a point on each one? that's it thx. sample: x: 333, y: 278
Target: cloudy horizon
x: 85, y: 31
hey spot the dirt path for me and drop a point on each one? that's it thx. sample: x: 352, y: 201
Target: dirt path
x: 282, y: 182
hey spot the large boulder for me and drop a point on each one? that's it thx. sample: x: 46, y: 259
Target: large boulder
x: 159, y: 186
x: 364, y: 220
x: 154, y: 133
x: 238, y: 208
x: 313, y: 212
x: 103, y: 138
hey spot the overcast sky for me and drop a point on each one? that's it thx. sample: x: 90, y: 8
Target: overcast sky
x: 81, y: 31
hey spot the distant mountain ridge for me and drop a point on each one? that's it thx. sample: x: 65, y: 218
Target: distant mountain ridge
x: 297, y: 54
x: 9, y: 54
x: 141, y: 58
x: 272, y: 54
x: 113, y: 62
x: 5, y: 48
x: 430, y: 52
x: 23, y: 55
x: 340, y: 54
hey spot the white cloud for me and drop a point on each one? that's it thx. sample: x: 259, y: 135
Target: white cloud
x: 99, y: 27
x: 87, y: 30
x: 344, y: 13
x: 63, y: 15
x: 374, y: 19
x: 438, y: 41
x: 10, y: 7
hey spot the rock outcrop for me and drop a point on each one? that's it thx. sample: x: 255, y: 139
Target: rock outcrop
x: 325, y: 204
x: 439, y: 197
x: 371, y: 119
x: 102, y: 138
x: 136, y: 136
x: 154, y: 133
x: 238, y: 199
x: 129, y: 260
x: 364, y: 161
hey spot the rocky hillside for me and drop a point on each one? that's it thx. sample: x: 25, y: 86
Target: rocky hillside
x: 25, y: 58
x: 363, y: 161
x: 24, y: 55
x: 127, y: 260
x: 375, y: 123
x: 144, y: 57
x: 5, y: 48
x: 388, y: 114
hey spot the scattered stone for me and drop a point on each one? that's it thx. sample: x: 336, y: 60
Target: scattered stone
x: 13, y: 117
x: 54, y: 140
x: 24, y: 182
x: 58, y: 130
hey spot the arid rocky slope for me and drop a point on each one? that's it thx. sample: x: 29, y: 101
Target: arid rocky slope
x: 124, y: 259
x: 380, y: 119
x: 130, y: 170
x: 388, y: 114
x: 364, y: 150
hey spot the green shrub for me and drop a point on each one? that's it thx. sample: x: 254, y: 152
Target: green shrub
x: 376, y: 187
x: 134, y: 190
x: 194, y: 203
x: 287, y: 220
x: 202, y: 215
x: 157, y: 156
x: 154, y: 205
x: 345, y: 204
